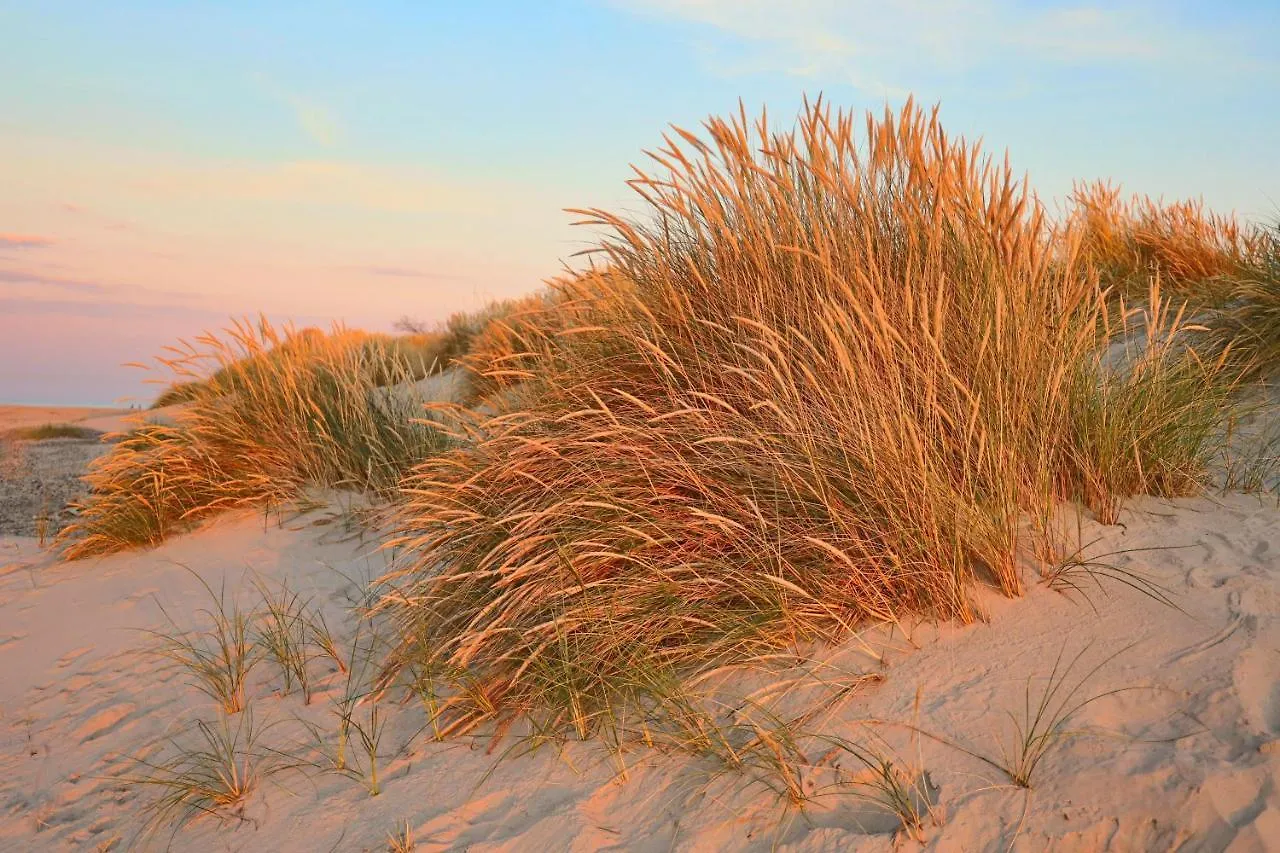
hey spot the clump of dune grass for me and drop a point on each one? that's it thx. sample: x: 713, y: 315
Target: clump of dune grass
x: 1247, y: 327
x: 502, y: 354
x: 285, y: 635
x: 1197, y: 253
x: 217, y: 660
x: 211, y: 773
x: 821, y: 384
x: 390, y: 359
x: 49, y: 432
x: 454, y: 338
x: 282, y: 411
x: 1149, y: 412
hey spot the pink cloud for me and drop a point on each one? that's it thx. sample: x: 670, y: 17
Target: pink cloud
x: 12, y: 276
x: 24, y: 241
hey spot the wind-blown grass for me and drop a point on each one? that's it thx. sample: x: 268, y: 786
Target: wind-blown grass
x: 821, y: 384
x: 1198, y: 254
x: 282, y: 412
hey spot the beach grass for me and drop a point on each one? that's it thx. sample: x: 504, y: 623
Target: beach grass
x: 279, y: 412
x: 1198, y: 254
x: 830, y: 377
x: 827, y: 380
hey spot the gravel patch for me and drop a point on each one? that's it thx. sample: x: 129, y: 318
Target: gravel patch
x: 38, y: 479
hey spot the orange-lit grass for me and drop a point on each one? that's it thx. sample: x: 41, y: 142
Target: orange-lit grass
x: 278, y: 411
x: 822, y: 384
x: 1196, y: 253
x: 1148, y: 411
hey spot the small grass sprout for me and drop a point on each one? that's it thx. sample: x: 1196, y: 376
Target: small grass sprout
x: 1046, y: 718
x: 211, y: 772
x: 217, y: 661
x: 1076, y: 572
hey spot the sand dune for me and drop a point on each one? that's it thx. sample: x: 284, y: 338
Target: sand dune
x: 1186, y: 757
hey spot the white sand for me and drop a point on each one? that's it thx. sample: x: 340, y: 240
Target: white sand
x: 1189, y: 759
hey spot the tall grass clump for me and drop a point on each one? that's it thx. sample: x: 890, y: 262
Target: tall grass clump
x: 1196, y: 253
x: 279, y: 411
x: 1247, y: 328
x: 822, y: 382
x: 1149, y: 411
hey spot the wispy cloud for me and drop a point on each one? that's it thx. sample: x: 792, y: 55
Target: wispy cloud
x: 25, y: 241
x: 12, y: 276
x: 315, y: 119
x: 406, y: 272
x: 333, y: 183
x: 106, y: 308
x: 891, y: 47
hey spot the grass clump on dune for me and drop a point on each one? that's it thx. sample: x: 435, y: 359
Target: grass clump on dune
x: 1196, y: 253
x: 1149, y: 411
x: 281, y: 412
x: 1247, y: 328
x: 823, y: 383
x: 390, y: 359
x: 49, y: 432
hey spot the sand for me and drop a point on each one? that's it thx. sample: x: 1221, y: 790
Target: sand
x: 1186, y: 757
x: 16, y: 417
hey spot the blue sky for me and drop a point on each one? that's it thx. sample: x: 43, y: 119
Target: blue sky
x: 164, y: 165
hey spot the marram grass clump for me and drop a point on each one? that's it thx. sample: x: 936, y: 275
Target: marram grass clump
x: 278, y: 412
x: 826, y: 381
x: 1199, y: 255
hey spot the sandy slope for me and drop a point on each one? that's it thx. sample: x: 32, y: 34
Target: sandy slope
x: 1188, y: 759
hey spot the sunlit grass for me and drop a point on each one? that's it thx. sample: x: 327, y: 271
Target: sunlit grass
x: 1197, y: 253
x: 824, y: 382
x: 281, y: 412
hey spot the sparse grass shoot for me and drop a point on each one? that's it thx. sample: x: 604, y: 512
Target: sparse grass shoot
x: 217, y: 661
x: 284, y: 631
x: 211, y: 772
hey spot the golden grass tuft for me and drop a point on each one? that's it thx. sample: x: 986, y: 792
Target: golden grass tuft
x: 279, y: 411
x: 826, y: 381
x: 1196, y: 253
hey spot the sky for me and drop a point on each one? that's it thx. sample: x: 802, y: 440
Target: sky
x: 167, y: 166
